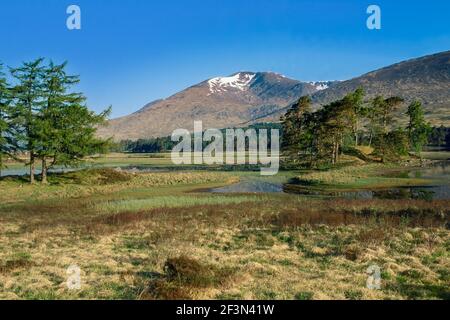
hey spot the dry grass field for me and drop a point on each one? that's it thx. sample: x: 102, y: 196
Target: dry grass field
x: 155, y: 236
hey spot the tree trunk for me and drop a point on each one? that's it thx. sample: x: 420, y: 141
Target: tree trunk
x: 333, y: 160
x: 337, y: 153
x: 44, y: 171
x: 32, y: 168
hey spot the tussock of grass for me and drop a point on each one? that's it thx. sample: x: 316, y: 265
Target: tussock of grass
x: 183, y: 276
x: 18, y: 261
x: 188, y: 271
x: 103, y: 176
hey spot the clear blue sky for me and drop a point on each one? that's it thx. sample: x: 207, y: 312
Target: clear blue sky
x: 129, y: 53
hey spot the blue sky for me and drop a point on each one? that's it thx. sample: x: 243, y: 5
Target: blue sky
x: 129, y: 53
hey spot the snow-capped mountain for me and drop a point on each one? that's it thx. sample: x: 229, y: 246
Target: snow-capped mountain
x: 249, y: 97
x: 240, y: 81
x: 220, y: 102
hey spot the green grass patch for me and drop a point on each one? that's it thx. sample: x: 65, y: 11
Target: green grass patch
x: 358, y: 177
x: 171, y: 202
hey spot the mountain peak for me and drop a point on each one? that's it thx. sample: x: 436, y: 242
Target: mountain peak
x: 250, y: 97
x: 238, y: 81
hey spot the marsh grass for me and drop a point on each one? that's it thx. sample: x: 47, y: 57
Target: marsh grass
x: 19, y: 260
x: 211, y: 246
x: 411, y: 216
x: 170, y: 202
x: 102, y: 182
x: 357, y: 177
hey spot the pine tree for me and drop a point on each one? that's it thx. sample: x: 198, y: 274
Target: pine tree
x: 418, y: 129
x: 321, y: 134
x: 392, y: 145
x: 359, y: 111
x: 28, y: 95
x: 439, y: 135
x: 295, y: 127
x: 384, y: 110
x: 337, y: 121
x: 5, y: 133
x: 66, y: 128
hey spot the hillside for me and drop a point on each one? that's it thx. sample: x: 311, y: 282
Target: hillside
x: 426, y: 79
x: 247, y: 98
x: 219, y: 102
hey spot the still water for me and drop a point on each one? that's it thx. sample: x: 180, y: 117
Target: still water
x: 440, y: 190
x: 255, y: 184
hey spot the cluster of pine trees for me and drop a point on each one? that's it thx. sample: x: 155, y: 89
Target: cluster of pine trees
x: 151, y: 145
x: 440, y: 137
x: 165, y: 144
x: 42, y: 118
x: 321, y: 137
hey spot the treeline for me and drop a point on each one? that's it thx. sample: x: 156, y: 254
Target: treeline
x: 440, y: 137
x: 321, y: 137
x: 43, y: 118
x: 152, y: 145
x: 165, y: 144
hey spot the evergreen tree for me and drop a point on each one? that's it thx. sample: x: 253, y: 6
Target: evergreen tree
x: 28, y: 95
x: 320, y: 135
x: 392, y: 145
x: 359, y: 111
x: 383, y: 110
x: 418, y: 129
x: 447, y: 140
x: 296, y: 134
x: 438, y: 136
x: 66, y: 128
x: 5, y: 133
x: 336, y: 121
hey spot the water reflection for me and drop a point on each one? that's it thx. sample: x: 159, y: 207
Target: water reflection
x: 439, y: 172
x: 255, y: 184
x: 420, y: 193
x: 251, y: 186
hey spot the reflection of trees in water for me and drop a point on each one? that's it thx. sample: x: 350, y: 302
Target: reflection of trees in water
x: 405, y: 193
x: 439, y: 170
x: 423, y: 193
x: 251, y: 187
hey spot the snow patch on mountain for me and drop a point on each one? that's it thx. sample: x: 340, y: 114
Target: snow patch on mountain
x: 323, y: 85
x: 320, y: 85
x: 239, y: 81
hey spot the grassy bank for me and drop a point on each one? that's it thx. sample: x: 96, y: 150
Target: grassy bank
x: 152, y: 236
x: 104, y: 182
x: 367, y: 176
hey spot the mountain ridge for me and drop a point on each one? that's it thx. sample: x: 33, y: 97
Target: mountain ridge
x: 246, y: 97
x: 219, y: 102
x: 425, y: 78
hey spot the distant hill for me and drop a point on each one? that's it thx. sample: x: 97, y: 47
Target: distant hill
x: 220, y: 102
x: 246, y: 98
x: 426, y: 79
